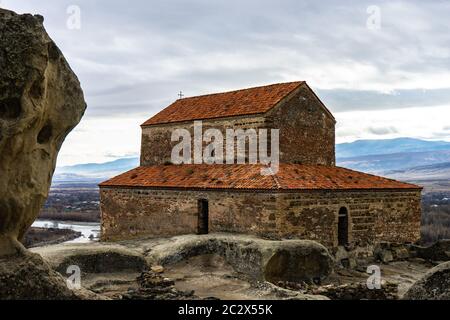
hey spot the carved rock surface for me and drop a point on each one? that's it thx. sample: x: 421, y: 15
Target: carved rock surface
x: 41, y: 101
x: 259, y: 259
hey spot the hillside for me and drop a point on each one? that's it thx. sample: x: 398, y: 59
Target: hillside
x: 96, y: 170
x: 388, y: 146
x: 434, y: 177
x: 382, y: 163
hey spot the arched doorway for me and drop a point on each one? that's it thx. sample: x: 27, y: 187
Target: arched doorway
x: 203, y: 216
x: 343, y: 227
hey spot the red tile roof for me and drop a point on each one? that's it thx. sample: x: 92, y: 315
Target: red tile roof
x: 245, y: 176
x: 234, y: 103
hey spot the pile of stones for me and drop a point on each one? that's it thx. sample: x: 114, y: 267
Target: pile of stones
x: 154, y: 286
x: 296, y: 286
x: 388, y: 252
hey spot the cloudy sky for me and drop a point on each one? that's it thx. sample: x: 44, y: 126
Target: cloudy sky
x: 382, y: 67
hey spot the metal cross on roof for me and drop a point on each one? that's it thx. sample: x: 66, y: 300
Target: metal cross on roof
x: 181, y: 95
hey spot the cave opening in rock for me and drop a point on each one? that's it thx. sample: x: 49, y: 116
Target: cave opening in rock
x: 10, y: 108
x: 343, y: 227
x: 296, y: 264
x: 277, y: 267
x: 45, y: 134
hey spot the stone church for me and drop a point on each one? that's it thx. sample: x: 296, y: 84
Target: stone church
x: 309, y: 197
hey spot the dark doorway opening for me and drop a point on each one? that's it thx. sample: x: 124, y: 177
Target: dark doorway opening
x: 203, y: 213
x: 343, y: 227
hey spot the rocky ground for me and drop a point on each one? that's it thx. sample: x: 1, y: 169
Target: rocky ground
x: 217, y: 266
x: 26, y: 276
x: 223, y: 266
x: 435, y: 285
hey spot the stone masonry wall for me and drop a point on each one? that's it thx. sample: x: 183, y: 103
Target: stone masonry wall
x: 307, y: 131
x: 132, y: 213
x: 156, y: 144
x: 373, y: 215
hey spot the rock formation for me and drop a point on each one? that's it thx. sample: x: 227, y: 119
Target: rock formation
x: 94, y: 258
x: 261, y: 260
x: 41, y: 101
x: 207, y: 263
x: 439, y: 251
x: 434, y: 285
x: 29, y: 277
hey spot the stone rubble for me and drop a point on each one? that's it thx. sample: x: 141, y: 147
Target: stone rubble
x: 154, y: 286
x: 358, y: 291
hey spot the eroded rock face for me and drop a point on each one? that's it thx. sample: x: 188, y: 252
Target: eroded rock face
x: 93, y: 259
x: 303, y: 262
x: 29, y: 277
x: 435, y: 285
x: 41, y: 101
x: 273, y: 261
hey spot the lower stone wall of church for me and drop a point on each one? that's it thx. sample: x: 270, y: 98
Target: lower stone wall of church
x: 131, y: 213
x: 373, y: 215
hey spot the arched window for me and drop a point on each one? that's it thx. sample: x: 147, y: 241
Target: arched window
x: 343, y: 227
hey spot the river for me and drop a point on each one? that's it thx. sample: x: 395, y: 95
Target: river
x: 88, y: 229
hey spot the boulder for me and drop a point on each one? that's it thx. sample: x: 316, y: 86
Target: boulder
x: 439, y: 251
x: 297, y: 261
x: 94, y: 258
x: 385, y: 256
x: 400, y: 253
x: 41, y: 101
x: 259, y: 259
x: 387, y: 252
x: 434, y: 285
x: 157, y: 269
x: 29, y: 277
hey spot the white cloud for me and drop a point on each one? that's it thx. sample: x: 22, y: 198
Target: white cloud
x: 382, y: 130
x: 101, y: 140
x: 133, y: 59
x: 417, y: 122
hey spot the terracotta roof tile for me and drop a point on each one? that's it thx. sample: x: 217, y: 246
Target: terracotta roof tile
x: 245, y: 176
x: 226, y: 104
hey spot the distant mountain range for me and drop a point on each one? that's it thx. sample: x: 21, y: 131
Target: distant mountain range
x: 94, y: 172
x: 426, y: 163
x: 388, y: 146
x: 434, y: 178
x: 440, y: 171
x: 380, y: 163
x: 403, y: 158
